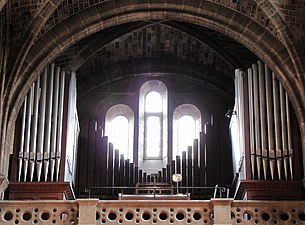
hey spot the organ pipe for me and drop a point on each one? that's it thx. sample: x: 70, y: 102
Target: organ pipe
x: 270, y: 119
x: 41, y: 133
x: 60, y: 122
x: 289, y: 136
x: 21, y: 148
x: 262, y: 99
x: 42, y: 110
x: 276, y: 106
x: 284, y: 130
x: 257, y: 119
x: 55, y: 122
x: 251, y: 121
x: 34, y: 128
x: 49, y: 104
x: 27, y: 133
x: 270, y: 137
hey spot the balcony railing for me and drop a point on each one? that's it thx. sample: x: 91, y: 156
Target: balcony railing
x: 206, y: 212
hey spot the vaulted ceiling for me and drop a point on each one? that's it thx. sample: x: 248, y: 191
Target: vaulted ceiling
x: 169, y: 47
x: 106, y: 41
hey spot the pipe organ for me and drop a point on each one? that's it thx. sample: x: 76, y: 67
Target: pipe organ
x: 106, y: 169
x: 264, y: 127
x: 47, y: 126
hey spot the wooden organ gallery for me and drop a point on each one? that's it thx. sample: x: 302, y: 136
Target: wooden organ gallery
x: 66, y: 149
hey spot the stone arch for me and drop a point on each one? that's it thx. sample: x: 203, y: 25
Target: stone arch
x: 126, y: 111
x: 211, y: 15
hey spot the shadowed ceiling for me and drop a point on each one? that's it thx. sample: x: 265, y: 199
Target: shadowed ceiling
x: 169, y: 48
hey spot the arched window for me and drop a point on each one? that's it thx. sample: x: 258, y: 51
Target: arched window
x: 119, y: 128
x: 186, y: 127
x: 152, y: 148
x: 153, y: 125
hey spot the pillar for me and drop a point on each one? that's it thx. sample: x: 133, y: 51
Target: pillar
x: 87, y: 211
x: 222, y: 211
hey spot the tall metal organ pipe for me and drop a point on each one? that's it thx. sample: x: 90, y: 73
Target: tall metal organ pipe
x: 284, y: 130
x: 251, y: 122
x: 47, y: 137
x: 270, y: 119
x: 257, y: 121
x: 27, y: 133
x: 262, y: 100
x: 42, y: 114
x: 34, y: 128
x: 270, y: 138
x: 42, y: 111
x: 22, y: 135
x: 60, y: 121
x: 55, y: 122
x: 289, y: 136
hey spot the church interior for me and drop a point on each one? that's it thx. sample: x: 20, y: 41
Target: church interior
x: 152, y: 112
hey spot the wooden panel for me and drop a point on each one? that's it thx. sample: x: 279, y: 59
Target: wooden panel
x: 159, y: 178
x: 172, y: 169
x: 136, y: 175
x: 116, y: 167
x: 91, y: 152
x: 110, y: 170
x: 131, y: 174
x: 210, y: 156
x: 297, y: 147
x: 202, y: 160
x: 40, y: 191
x: 98, y: 158
x: 164, y: 178
x: 168, y: 173
x: 178, y: 169
x: 140, y: 176
x: 173, y: 166
x: 83, y: 155
x: 178, y: 164
x: 189, y: 166
x: 121, y: 171
x: 103, y: 161
x: 126, y: 173
x: 184, y: 176
x: 145, y: 177
x: 195, y: 163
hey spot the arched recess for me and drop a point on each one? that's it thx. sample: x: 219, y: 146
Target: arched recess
x: 146, y: 162
x: 126, y: 111
x: 180, y: 111
x: 212, y: 15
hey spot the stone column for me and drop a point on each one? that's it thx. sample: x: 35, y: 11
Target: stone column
x: 3, y: 185
x: 222, y: 211
x: 87, y: 211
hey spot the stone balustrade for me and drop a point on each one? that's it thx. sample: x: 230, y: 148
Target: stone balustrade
x: 94, y: 211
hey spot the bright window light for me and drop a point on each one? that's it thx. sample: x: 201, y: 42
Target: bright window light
x: 153, y: 102
x: 120, y: 134
x: 153, y: 136
x: 186, y: 132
